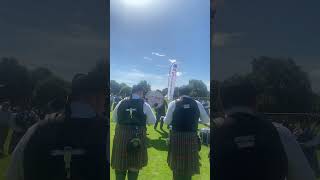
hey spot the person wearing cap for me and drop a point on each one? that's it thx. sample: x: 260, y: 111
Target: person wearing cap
x: 73, y: 144
x: 184, y: 114
x: 129, y: 153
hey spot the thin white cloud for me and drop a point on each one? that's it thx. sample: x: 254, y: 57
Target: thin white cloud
x: 147, y: 58
x: 173, y: 60
x: 162, y: 66
x: 158, y: 54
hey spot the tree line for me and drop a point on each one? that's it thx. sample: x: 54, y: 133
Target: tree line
x: 280, y: 84
x: 39, y: 87
x: 195, y: 88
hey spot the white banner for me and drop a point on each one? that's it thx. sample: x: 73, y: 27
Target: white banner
x: 172, y: 80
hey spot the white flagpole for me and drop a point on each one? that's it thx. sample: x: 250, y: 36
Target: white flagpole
x: 172, y: 80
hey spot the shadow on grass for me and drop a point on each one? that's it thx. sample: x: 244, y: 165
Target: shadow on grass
x: 163, y: 133
x: 159, y: 144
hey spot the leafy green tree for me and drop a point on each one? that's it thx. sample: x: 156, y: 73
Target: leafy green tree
x: 52, y: 91
x: 282, y: 85
x: 164, y: 91
x: 125, y: 91
x: 115, y: 87
x: 39, y: 74
x: 15, y: 80
x: 146, y: 86
x: 198, y: 88
x: 185, y: 89
x: 316, y: 103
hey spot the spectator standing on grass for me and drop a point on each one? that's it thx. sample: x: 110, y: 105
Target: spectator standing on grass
x: 160, y: 113
x: 184, y: 143
x: 71, y: 145
x: 309, y: 142
x: 5, y: 119
x: 25, y: 117
x: 248, y: 146
x: 129, y: 153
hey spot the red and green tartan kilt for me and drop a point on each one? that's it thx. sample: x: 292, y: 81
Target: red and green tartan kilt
x: 183, y: 155
x: 122, y: 159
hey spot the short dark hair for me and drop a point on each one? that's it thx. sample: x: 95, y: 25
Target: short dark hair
x: 137, y: 88
x: 241, y: 92
x: 88, y: 84
x: 182, y: 93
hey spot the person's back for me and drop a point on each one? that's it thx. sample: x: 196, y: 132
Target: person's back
x: 71, y: 145
x: 184, y: 115
x: 129, y: 150
x: 52, y: 139
x: 248, y: 147
x: 245, y: 145
x: 161, y: 111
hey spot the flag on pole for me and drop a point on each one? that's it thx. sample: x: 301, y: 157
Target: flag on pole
x: 172, y: 79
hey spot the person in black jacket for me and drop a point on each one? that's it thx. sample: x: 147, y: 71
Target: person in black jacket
x: 247, y: 145
x: 4, y: 127
x: 129, y: 152
x: 160, y: 113
x: 184, y: 115
x: 72, y: 145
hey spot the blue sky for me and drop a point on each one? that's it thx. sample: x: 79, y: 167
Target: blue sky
x: 67, y: 37
x: 246, y: 29
x: 146, y: 34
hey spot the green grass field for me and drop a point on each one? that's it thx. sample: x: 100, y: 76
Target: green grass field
x: 157, y: 168
x: 5, y: 161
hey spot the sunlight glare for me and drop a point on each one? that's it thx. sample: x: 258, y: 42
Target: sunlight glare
x: 137, y: 3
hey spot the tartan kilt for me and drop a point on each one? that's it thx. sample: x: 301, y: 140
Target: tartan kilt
x: 121, y: 159
x: 183, y: 155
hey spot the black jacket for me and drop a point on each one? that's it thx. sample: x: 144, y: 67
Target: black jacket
x: 43, y: 154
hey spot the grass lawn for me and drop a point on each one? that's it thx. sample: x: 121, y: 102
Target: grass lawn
x: 4, y: 162
x: 157, y: 168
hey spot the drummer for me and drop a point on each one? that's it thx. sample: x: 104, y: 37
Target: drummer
x: 183, y: 157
